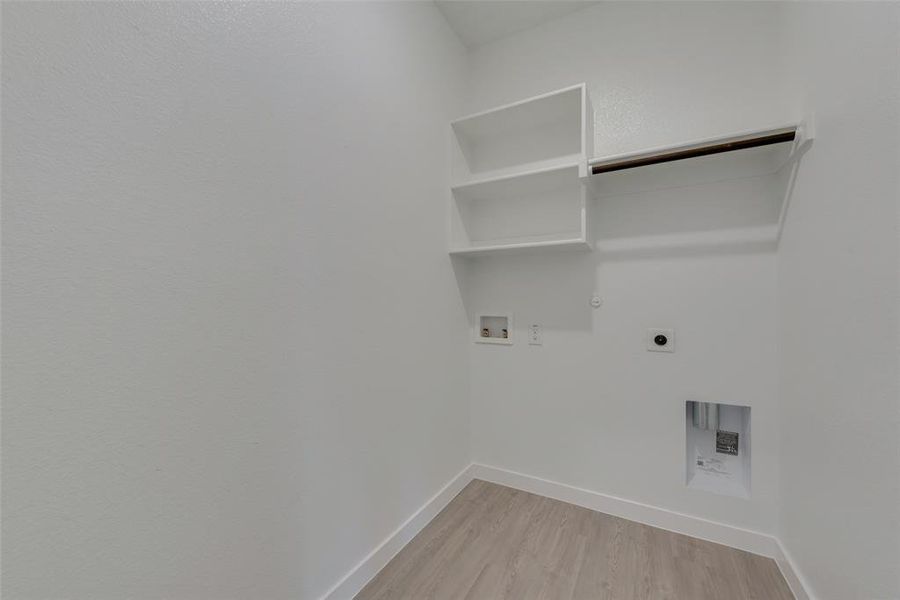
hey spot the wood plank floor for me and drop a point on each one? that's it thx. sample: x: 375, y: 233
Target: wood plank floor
x: 494, y: 542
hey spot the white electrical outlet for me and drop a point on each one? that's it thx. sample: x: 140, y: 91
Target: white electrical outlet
x: 660, y: 340
x: 535, y: 335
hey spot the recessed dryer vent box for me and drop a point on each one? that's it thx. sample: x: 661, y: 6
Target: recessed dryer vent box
x: 717, y: 448
x: 494, y: 328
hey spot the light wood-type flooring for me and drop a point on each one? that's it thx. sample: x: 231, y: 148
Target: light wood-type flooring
x: 494, y: 542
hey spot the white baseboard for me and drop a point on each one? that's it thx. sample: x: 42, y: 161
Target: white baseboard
x: 744, y: 539
x: 354, y: 581
x: 720, y: 533
x: 795, y: 580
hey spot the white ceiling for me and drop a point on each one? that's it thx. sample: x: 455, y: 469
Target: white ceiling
x: 478, y: 22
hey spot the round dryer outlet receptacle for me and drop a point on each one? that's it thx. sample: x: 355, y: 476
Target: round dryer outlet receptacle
x: 660, y: 340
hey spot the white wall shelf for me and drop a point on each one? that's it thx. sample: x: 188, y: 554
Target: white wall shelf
x: 724, y: 191
x: 552, y: 126
x: 518, y: 175
x: 505, y: 246
x: 540, y: 209
x: 550, y: 164
x: 541, y: 180
x: 698, y: 162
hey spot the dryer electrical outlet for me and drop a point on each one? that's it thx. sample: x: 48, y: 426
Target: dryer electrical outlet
x: 660, y: 340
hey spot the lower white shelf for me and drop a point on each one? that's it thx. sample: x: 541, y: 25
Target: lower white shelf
x: 519, y: 246
x: 546, y: 208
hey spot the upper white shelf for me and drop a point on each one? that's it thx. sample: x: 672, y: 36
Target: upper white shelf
x: 539, y: 131
x: 738, y: 155
x: 520, y: 245
x: 518, y: 171
x: 710, y: 145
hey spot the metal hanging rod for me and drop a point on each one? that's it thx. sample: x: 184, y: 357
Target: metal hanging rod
x: 712, y: 148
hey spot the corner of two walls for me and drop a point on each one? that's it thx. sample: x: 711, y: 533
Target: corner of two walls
x: 809, y: 337
x: 202, y: 166
x: 591, y: 407
x: 839, y: 304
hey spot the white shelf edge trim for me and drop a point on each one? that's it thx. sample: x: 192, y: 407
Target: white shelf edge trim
x: 571, y: 242
x: 484, y: 113
x: 690, y: 145
x: 538, y: 168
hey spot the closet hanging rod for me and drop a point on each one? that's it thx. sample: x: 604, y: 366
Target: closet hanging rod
x: 693, y: 152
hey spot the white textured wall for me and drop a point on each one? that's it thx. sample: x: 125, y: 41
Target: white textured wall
x: 234, y: 360
x: 657, y: 72
x: 234, y: 348
x: 591, y: 407
x: 839, y: 305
